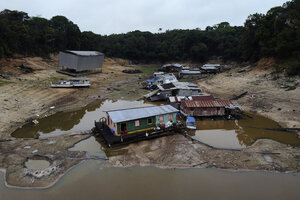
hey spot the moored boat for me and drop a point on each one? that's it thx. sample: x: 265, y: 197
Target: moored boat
x: 70, y: 83
x: 191, y: 123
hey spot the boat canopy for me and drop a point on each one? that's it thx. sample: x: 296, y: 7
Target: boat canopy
x: 152, y: 80
x: 191, y: 119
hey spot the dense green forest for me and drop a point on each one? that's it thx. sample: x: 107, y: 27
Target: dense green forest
x: 274, y: 34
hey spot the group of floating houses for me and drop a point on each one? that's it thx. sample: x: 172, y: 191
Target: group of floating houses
x: 129, y: 125
x: 185, y: 99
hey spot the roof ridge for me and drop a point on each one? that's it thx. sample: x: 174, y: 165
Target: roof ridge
x: 133, y: 108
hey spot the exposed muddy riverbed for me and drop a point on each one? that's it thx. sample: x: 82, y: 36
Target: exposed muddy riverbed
x: 90, y: 181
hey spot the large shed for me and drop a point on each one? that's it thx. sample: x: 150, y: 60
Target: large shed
x: 81, y: 60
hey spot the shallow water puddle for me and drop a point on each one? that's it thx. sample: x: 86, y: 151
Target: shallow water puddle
x: 229, y: 134
x: 37, y: 164
x: 79, y: 120
x: 237, y: 134
x: 90, y: 181
x: 225, y: 139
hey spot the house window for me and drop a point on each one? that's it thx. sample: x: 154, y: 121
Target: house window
x: 149, y: 121
x: 171, y: 117
x: 137, y: 122
x: 161, y: 118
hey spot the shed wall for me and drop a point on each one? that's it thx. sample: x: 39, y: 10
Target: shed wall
x: 67, y: 60
x: 80, y: 63
x: 188, y: 92
x: 89, y: 62
x: 204, y: 112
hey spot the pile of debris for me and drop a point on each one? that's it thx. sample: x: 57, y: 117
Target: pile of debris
x: 25, y: 69
x: 132, y: 71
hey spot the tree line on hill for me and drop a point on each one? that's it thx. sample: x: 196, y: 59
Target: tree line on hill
x: 274, y: 34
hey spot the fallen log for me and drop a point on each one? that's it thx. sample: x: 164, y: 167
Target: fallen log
x: 239, y: 96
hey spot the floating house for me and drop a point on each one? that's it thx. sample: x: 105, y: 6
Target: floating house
x: 208, y: 108
x: 174, y: 89
x: 135, y: 124
x: 211, y: 68
x: 188, y: 72
x: 175, y: 101
x: 133, y: 120
x: 158, y: 74
x: 171, y: 67
x: 73, y: 62
x: 161, y: 79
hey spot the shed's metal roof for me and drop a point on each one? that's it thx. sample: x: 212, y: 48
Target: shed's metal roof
x: 179, y: 85
x: 176, y: 99
x: 211, y: 65
x: 211, y: 104
x: 84, y: 53
x: 138, y: 113
x: 201, y: 104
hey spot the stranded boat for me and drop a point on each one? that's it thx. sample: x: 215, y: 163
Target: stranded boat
x: 79, y: 82
x: 135, y: 124
x: 191, y: 123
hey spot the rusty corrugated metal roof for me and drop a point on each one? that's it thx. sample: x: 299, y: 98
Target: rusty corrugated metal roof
x: 210, y: 103
x: 199, y: 104
x: 203, y: 98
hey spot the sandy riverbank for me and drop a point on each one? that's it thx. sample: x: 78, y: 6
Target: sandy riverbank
x: 28, y: 96
x: 268, y: 95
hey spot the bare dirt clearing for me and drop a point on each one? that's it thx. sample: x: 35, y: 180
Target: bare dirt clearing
x: 273, y: 97
x: 29, y: 96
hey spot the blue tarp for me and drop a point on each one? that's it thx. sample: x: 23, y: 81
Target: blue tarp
x: 152, y: 80
x: 191, y: 119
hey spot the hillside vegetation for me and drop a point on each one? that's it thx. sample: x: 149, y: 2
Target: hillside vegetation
x: 274, y: 34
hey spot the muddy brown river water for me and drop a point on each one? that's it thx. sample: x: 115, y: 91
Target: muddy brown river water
x: 229, y: 134
x: 91, y: 180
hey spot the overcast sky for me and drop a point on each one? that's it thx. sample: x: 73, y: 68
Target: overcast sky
x: 121, y: 16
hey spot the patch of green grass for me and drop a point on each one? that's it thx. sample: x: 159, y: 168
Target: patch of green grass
x: 2, y: 82
x: 54, y: 79
x: 148, y: 69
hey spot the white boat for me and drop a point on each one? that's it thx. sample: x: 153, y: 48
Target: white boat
x: 191, y: 123
x: 70, y: 83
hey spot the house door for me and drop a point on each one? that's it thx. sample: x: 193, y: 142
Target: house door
x: 123, y: 128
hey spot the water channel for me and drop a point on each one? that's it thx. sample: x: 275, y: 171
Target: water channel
x: 89, y: 180
x: 231, y: 134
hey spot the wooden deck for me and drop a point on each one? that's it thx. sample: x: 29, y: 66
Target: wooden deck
x: 103, y: 131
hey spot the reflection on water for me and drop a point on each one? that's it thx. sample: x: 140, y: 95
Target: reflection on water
x: 236, y: 134
x: 232, y: 134
x: 89, y: 181
x: 79, y: 120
